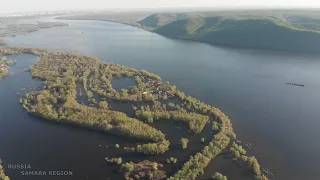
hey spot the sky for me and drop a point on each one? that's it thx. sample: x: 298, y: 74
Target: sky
x: 11, y: 6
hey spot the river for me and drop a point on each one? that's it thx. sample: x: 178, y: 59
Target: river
x: 280, y: 121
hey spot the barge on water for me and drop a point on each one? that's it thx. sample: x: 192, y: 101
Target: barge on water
x: 295, y: 84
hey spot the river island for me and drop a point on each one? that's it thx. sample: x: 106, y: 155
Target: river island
x: 65, y: 74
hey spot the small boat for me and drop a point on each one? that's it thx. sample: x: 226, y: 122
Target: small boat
x: 295, y: 84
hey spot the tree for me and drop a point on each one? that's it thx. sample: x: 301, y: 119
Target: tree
x: 89, y: 94
x: 252, y: 160
x: 184, y: 143
x: 124, y: 93
x: 155, y: 166
x: 215, y: 126
x: 219, y: 176
x: 3, y: 60
x: 103, y: 105
x: 175, y: 160
x: 127, y: 167
x: 119, y: 160
x: 236, y: 154
x: 171, y: 105
x: 172, y: 160
x: 134, y: 90
x: 154, y: 148
x: 244, y: 158
x: 256, y: 169
x: 233, y: 135
x: 117, y: 146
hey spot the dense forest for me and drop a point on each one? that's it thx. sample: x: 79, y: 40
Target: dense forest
x: 288, y: 30
x: 57, y: 101
x: 277, y: 30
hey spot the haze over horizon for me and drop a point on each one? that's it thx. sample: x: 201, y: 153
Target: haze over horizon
x: 22, y: 6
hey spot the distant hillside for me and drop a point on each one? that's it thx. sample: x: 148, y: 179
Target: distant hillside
x: 290, y: 30
x: 271, y: 30
x: 156, y: 20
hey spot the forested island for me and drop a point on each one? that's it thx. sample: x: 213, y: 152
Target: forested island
x: 18, y: 29
x: 287, y: 30
x: 4, y: 66
x: 58, y: 101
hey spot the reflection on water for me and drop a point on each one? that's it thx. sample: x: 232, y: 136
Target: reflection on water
x: 280, y: 121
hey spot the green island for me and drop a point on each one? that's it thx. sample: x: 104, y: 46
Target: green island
x: 2, y: 174
x: 57, y: 101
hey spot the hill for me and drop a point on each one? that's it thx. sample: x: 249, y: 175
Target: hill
x: 276, y: 30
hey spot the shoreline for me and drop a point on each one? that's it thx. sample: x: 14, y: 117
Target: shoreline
x: 46, y: 103
x: 219, y: 45
x: 113, y: 21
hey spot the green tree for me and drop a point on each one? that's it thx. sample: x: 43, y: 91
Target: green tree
x: 154, y: 148
x: 155, y: 166
x: 103, y: 104
x: 89, y: 94
x: 127, y: 167
x: 172, y: 160
x: 171, y: 105
x: 233, y: 135
x: 117, y: 146
x: 119, y: 160
x: 134, y: 90
x: 184, y: 143
x: 124, y: 93
x: 219, y: 176
x: 215, y: 126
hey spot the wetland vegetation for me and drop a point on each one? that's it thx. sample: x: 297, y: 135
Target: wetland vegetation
x: 57, y: 101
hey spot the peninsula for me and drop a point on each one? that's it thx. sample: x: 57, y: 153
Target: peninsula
x: 18, y: 29
x: 4, y: 66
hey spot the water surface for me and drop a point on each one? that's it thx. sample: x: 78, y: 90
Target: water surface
x: 280, y: 121
x: 122, y: 83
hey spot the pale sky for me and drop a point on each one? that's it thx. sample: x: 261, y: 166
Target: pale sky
x: 9, y: 6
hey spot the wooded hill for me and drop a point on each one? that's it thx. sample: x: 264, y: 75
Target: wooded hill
x: 277, y: 30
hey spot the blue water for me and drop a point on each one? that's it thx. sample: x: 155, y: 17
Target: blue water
x: 122, y: 83
x: 280, y: 121
x: 23, y: 62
